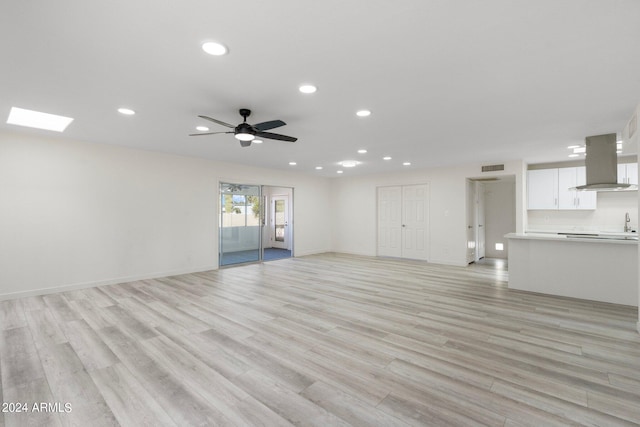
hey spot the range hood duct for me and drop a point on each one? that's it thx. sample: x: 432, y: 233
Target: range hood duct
x: 602, y: 165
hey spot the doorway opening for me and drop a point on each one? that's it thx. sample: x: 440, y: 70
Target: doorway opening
x: 255, y: 223
x: 491, y: 204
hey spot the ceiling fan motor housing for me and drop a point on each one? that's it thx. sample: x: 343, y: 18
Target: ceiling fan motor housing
x: 245, y: 133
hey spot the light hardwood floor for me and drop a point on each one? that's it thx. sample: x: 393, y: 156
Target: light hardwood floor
x: 321, y: 340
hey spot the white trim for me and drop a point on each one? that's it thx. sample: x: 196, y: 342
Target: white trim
x: 125, y: 279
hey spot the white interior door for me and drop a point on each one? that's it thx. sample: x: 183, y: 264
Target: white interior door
x: 471, y: 221
x: 389, y: 221
x: 481, y: 237
x: 415, y: 221
x: 280, y: 235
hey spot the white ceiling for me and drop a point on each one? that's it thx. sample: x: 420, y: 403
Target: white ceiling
x: 448, y: 81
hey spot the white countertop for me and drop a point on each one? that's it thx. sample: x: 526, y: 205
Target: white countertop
x: 607, y: 238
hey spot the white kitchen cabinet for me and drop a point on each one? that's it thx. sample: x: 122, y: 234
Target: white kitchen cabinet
x: 542, y: 189
x: 628, y: 173
x: 571, y: 199
x: 550, y: 189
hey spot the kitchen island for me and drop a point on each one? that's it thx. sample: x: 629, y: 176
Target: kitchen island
x: 597, y: 267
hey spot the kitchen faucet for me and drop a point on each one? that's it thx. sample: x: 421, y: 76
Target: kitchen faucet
x: 627, y: 220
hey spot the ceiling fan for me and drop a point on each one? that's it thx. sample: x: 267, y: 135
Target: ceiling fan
x: 246, y: 133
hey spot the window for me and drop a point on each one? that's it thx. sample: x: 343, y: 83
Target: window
x: 239, y: 210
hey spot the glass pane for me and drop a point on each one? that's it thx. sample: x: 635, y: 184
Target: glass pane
x: 279, y: 216
x: 239, y: 223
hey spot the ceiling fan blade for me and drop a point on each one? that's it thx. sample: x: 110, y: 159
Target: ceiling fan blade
x: 217, y: 121
x: 269, y: 125
x: 207, y: 133
x: 277, y: 136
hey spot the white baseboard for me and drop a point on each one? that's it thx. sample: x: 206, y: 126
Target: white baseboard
x: 91, y: 284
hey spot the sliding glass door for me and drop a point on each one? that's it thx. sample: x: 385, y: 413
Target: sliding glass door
x: 241, y: 221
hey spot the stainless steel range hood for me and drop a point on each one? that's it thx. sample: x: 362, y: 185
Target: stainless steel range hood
x: 602, y: 165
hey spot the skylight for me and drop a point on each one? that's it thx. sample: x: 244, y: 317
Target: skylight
x: 38, y: 120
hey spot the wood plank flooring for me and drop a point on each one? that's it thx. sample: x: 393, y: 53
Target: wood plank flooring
x: 326, y: 340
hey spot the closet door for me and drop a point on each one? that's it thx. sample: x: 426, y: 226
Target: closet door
x: 403, y: 221
x: 415, y: 221
x: 389, y: 221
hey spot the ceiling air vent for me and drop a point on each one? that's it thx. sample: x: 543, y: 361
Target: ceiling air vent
x: 492, y: 168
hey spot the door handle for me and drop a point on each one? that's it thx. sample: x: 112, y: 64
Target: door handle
x: 469, y: 226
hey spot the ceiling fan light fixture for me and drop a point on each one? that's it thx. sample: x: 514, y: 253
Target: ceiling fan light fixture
x: 244, y: 136
x: 244, y: 132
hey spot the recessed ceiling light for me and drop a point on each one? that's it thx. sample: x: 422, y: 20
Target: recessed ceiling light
x: 202, y: 128
x: 257, y: 141
x: 574, y: 155
x: 292, y: 163
x: 349, y: 163
x: 318, y: 168
x: 363, y: 113
x: 338, y: 171
x: 214, y: 48
x: 386, y: 158
x: 126, y: 111
x: 571, y: 147
x: 38, y: 120
x: 406, y: 164
x: 362, y: 151
x: 307, y: 89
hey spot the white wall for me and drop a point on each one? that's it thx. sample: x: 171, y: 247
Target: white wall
x: 500, y: 215
x: 75, y: 214
x: 608, y: 217
x: 354, y: 213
